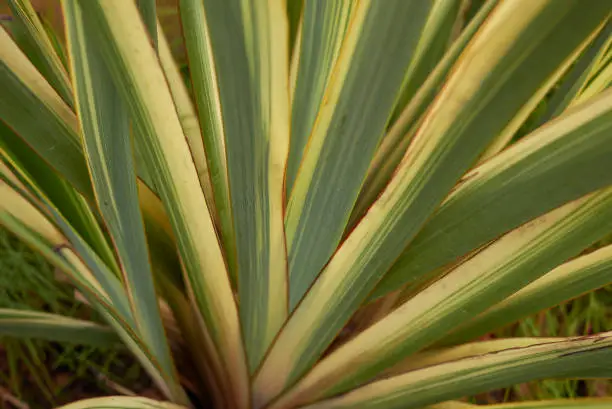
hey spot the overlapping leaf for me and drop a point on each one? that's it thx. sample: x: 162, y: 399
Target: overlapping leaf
x: 105, y: 127
x: 117, y: 30
x: 477, y: 100
x: 570, y: 358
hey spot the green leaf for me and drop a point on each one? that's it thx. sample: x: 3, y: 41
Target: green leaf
x: 53, y: 327
x: 504, y: 138
x: 249, y: 42
x: 117, y: 30
x: 436, y: 356
x: 148, y: 11
x: 566, y: 282
x: 578, y: 75
x: 68, y: 201
x: 34, y: 212
x: 453, y: 405
x: 432, y: 46
x: 207, y: 99
x: 575, y: 358
x: 108, y: 147
x: 188, y: 117
x: 52, y: 135
x: 509, y: 57
x: 498, y: 271
x: 361, y: 91
x: 34, y: 40
x: 569, y: 157
x: 395, y: 142
x: 593, y: 403
x: 322, y: 33
x: 294, y: 13
x: 599, y: 80
x: 120, y: 402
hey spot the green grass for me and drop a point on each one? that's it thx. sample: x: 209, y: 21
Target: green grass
x: 42, y: 373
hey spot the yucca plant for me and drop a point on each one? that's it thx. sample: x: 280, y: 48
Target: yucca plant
x: 336, y: 213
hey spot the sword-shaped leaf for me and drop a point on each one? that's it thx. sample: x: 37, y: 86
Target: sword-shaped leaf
x: 323, y: 29
x: 53, y: 327
x: 249, y: 44
x: 52, y: 135
x: 207, y: 98
x: 121, y: 402
x: 570, y: 280
x: 119, y: 33
x: 482, y: 93
x: 105, y: 127
x: 37, y: 44
x: 496, y: 272
x: 571, y: 358
x: 566, y: 159
x: 361, y: 90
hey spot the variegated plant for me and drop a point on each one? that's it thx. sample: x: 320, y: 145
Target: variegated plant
x: 333, y: 212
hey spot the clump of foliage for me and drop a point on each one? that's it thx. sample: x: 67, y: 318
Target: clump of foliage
x: 336, y: 214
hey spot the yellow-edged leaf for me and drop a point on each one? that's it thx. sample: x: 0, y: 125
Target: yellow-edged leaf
x: 478, y: 98
x: 118, y: 31
x: 249, y: 44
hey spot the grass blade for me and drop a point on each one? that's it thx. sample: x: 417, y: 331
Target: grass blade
x: 575, y: 357
x: 108, y: 148
x: 362, y: 89
x: 120, y: 34
x: 53, y: 327
x: 249, y: 41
